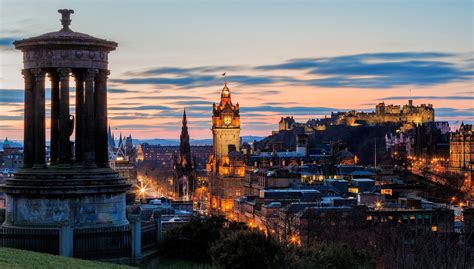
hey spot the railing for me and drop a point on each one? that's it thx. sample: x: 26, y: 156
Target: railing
x: 102, y: 242
x: 40, y: 240
x: 148, y: 236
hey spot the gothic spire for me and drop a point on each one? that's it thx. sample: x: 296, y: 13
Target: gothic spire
x: 110, y: 137
x: 184, y: 146
x: 185, y: 121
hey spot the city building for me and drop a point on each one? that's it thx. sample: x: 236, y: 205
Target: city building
x: 461, y: 154
x: 11, y: 158
x: 226, y: 167
x: 163, y: 156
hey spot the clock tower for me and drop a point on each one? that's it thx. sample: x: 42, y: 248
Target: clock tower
x: 225, y: 125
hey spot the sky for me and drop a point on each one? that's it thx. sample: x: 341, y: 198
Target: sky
x: 282, y: 58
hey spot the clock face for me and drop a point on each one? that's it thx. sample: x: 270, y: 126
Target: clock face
x: 227, y: 120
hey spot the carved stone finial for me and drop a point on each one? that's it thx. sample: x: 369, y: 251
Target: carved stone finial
x: 66, y: 17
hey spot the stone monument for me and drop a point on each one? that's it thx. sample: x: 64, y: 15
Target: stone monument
x: 71, y: 204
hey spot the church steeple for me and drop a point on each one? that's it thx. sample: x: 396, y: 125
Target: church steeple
x: 185, y: 121
x: 111, y: 138
x: 184, y: 146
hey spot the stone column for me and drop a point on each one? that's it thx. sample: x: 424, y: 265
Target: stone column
x: 64, y: 121
x: 66, y: 240
x: 101, y: 150
x: 28, y: 156
x: 159, y: 229
x: 136, y: 227
x: 39, y: 118
x: 89, y: 128
x: 79, y: 148
x: 54, y: 143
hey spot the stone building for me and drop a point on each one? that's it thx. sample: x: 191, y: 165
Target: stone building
x: 286, y: 123
x: 461, y: 144
x: 11, y: 157
x: 225, y: 125
x: 162, y: 156
x: 387, y: 114
x: 461, y: 153
x: 184, y: 168
x: 226, y: 167
x: 74, y: 205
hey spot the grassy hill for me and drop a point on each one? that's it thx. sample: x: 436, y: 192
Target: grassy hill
x: 15, y: 258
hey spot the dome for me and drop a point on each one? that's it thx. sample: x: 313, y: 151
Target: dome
x: 64, y: 37
x: 65, y: 48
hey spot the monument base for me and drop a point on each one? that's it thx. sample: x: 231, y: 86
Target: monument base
x: 73, y: 211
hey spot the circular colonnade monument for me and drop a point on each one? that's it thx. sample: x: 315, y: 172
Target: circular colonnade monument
x: 75, y: 196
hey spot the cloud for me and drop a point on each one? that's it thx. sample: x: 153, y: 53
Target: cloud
x: 114, y: 90
x: 308, y: 63
x: 17, y: 95
x: 155, y: 107
x: 192, y: 103
x: 378, y: 70
x: 194, y: 81
x: 131, y: 116
x: 8, y: 127
x: 217, y: 70
x: 190, y: 113
x: 290, y: 110
x: 11, y: 96
x: 173, y: 97
x: 134, y: 126
x: 6, y: 43
x: 454, y: 112
x: 8, y: 118
x: 370, y: 70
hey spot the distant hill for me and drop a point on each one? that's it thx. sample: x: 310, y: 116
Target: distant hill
x: 175, y: 142
x: 159, y: 141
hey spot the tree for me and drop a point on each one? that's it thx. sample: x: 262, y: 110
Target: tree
x: 192, y: 240
x: 329, y: 255
x: 246, y: 249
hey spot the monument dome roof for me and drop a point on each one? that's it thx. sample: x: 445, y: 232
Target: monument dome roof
x: 65, y: 36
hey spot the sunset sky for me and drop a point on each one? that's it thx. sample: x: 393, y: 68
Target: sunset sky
x: 283, y: 58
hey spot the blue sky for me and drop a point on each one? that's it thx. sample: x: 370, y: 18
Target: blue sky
x: 301, y: 58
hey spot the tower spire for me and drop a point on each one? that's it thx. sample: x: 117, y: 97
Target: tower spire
x: 184, y: 146
x: 185, y: 120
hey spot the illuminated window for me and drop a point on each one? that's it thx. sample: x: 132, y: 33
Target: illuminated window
x: 434, y: 228
x: 353, y: 190
x: 386, y: 191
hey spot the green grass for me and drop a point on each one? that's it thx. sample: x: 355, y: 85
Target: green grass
x: 181, y: 264
x: 15, y: 258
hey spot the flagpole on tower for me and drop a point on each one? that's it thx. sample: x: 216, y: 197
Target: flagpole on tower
x: 225, y: 80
